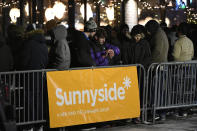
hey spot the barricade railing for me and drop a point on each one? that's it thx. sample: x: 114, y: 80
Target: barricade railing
x: 170, y: 86
x: 148, y: 93
x: 142, y: 89
x: 29, y: 94
x: 164, y: 86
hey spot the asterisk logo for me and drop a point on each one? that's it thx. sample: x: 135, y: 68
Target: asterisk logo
x: 127, y: 82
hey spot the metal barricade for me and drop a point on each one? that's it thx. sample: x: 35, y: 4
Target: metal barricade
x: 173, y: 86
x: 29, y: 94
x: 142, y: 89
x: 149, y: 89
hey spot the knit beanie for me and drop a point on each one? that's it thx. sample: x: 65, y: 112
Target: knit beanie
x: 90, y: 25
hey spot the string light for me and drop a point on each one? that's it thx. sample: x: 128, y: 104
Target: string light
x: 147, y: 6
x: 110, y: 13
x: 49, y: 14
x: 59, y: 9
x: 27, y: 9
x: 14, y: 14
x: 5, y: 5
x: 89, y: 11
x: 191, y: 15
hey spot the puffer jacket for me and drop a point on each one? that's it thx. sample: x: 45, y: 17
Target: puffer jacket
x: 183, y: 49
x: 98, y: 51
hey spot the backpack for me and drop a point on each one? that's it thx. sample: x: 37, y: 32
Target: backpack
x: 7, y: 115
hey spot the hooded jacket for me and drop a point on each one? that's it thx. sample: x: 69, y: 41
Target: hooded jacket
x: 59, y: 55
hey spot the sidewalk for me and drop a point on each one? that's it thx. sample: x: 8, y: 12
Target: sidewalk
x: 179, y: 124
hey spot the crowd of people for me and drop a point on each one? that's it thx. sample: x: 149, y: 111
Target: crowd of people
x: 56, y: 47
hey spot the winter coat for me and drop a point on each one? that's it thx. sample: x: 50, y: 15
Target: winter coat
x: 81, y: 50
x: 183, y: 49
x: 142, y: 53
x: 126, y: 50
x: 99, y: 51
x: 159, y: 46
x: 35, y: 52
x: 59, y: 55
x: 15, y: 42
x: 6, y: 59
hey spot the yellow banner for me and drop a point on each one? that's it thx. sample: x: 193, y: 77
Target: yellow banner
x: 92, y: 95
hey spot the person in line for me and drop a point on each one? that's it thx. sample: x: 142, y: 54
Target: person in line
x: 34, y: 57
x: 142, y: 52
x: 159, y: 50
x: 126, y: 45
x: 15, y: 41
x: 6, y: 57
x: 183, y: 48
x: 59, y: 55
x: 35, y: 52
x: 102, y: 52
x: 158, y: 42
x: 81, y: 45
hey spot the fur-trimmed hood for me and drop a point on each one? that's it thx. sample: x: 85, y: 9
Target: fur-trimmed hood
x: 37, y: 35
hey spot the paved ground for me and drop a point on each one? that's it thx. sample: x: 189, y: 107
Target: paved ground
x: 171, y: 124
x: 180, y: 124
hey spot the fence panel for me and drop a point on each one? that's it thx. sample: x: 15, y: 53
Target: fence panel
x: 28, y: 94
x: 173, y: 86
x: 149, y: 90
x: 142, y: 89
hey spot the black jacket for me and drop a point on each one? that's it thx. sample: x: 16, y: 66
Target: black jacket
x: 126, y: 50
x: 6, y: 59
x: 35, y: 52
x: 80, y: 49
x: 15, y: 42
x: 142, y: 53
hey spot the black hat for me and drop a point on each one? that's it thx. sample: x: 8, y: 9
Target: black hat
x: 138, y: 29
